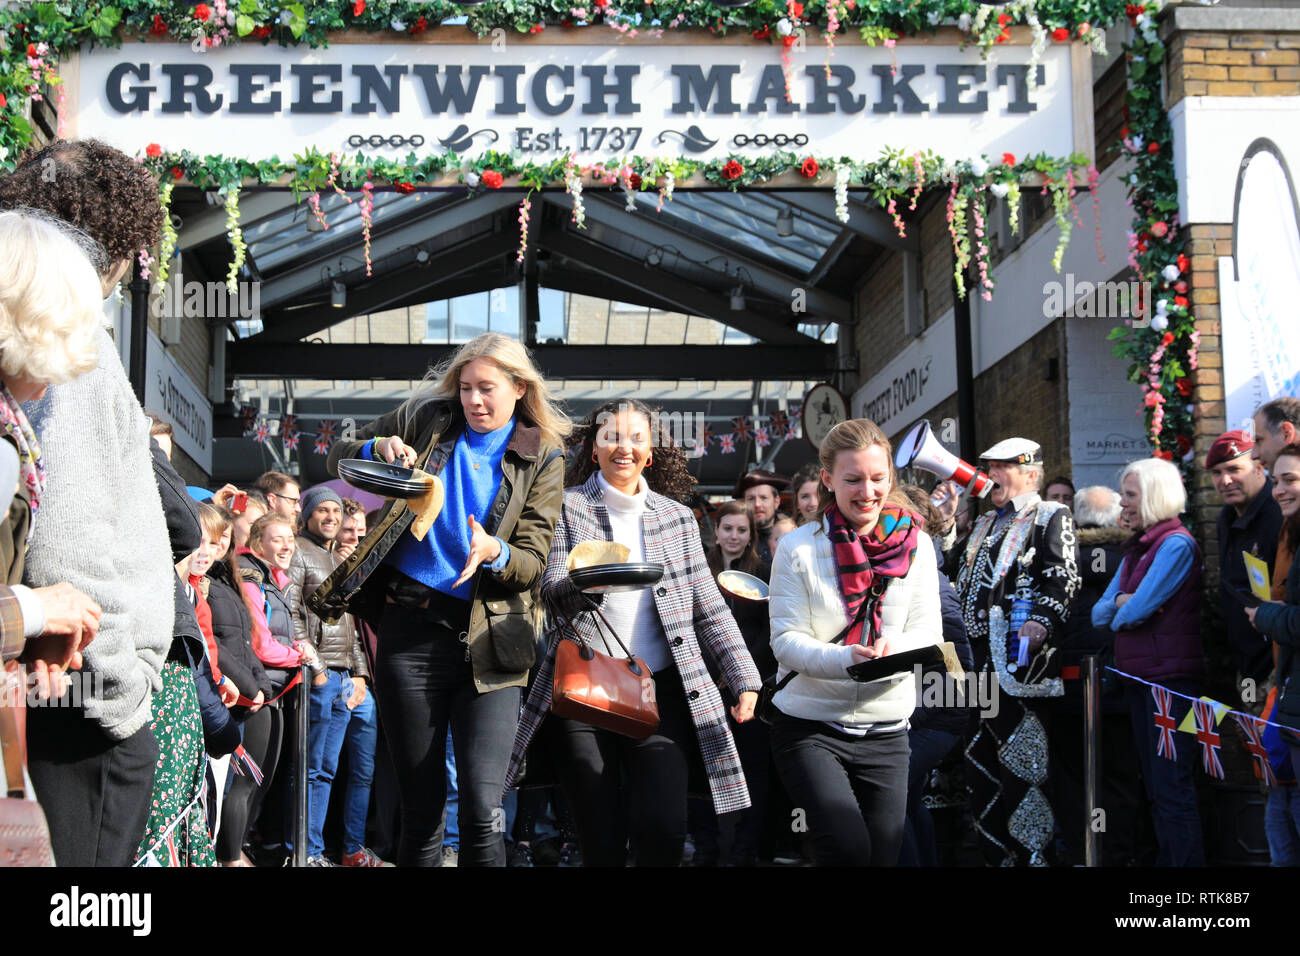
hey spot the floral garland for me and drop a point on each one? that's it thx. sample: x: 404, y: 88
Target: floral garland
x: 236, y: 237
x: 1161, y: 352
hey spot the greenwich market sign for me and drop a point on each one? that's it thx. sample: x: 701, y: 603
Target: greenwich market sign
x: 545, y: 101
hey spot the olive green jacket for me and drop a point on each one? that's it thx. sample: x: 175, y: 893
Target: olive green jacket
x: 503, y: 629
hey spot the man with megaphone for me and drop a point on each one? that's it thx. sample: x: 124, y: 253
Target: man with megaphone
x: 1017, y: 579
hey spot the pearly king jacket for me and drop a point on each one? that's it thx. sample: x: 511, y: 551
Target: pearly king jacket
x: 694, y: 617
x: 1038, y: 545
x: 808, y: 613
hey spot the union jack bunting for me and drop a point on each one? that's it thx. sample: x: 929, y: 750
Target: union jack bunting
x: 742, y: 429
x: 727, y: 444
x: 1255, y: 746
x: 247, y: 416
x: 261, y: 432
x: 1165, y: 723
x: 761, y: 437
x: 1208, y: 738
x: 780, y: 423
x: 288, y: 423
x: 244, y: 765
x: 324, y: 437
x: 291, y: 440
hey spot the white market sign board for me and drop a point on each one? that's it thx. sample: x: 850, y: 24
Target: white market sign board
x: 172, y: 395
x: 542, y: 100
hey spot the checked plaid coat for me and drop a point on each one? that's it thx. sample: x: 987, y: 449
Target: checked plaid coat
x: 695, y: 620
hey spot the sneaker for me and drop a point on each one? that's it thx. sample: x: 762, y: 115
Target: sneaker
x: 450, y: 856
x: 319, y: 861
x: 363, y: 857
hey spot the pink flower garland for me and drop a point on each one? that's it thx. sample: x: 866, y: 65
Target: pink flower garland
x: 898, y: 220
x: 145, y: 261
x: 333, y: 180
x: 314, y: 202
x: 1154, y: 398
x: 1094, y: 180
x: 1191, y: 353
x: 919, y: 169
x: 982, y: 249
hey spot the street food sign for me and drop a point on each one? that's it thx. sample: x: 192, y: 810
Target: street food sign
x: 665, y: 99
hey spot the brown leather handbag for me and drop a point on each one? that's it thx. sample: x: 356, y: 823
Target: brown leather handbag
x: 24, y: 834
x: 610, y: 692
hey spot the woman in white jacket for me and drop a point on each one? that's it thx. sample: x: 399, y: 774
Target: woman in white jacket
x: 857, y: 584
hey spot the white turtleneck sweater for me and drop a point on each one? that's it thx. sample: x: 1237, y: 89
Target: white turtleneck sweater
x: 632, y: 613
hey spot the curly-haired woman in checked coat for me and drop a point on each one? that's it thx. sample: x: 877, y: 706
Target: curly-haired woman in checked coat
x: 622, y: 488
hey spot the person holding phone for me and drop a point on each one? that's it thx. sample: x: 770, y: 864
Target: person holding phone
x: 1153, y: 604
x: 856, y: 585
x: 626, y: 484
x: 454, y: 609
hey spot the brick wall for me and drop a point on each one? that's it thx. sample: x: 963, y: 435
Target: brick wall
x: 1232, y: 64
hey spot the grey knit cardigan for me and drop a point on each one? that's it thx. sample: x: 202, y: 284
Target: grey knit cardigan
x: 100, y: 527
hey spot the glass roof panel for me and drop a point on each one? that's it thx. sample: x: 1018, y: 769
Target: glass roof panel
x: 748, y: 223
x: 284, y: 236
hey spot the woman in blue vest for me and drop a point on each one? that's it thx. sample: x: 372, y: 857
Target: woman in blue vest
x: 1153, y: 605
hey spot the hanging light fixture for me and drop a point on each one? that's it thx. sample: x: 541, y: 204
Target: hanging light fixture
x: 338, y: 294
x: 738, y: 299
x: 785, y: 222
x: 654, y: 257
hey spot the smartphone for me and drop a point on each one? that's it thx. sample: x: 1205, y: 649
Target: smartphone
x: 239, y: 503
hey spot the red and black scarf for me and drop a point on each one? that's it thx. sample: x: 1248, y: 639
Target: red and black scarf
x: 886, y: 551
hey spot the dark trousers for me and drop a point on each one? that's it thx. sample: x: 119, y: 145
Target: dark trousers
x: 928, y: 748
x: 424, y: 684
x: 754, y: 746
x: 854, y: 789
x: 1170, y: 784
x: 623, y: 789
x: 263, y: 735
x: 95, y: 791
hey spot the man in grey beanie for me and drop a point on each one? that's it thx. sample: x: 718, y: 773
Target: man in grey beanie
x: 342, y: 709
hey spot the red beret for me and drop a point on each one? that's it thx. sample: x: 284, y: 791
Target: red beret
x: 1227, y: 446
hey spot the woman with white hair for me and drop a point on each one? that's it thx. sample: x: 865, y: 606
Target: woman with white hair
x: 1153, y: 605
x: 49, y: 310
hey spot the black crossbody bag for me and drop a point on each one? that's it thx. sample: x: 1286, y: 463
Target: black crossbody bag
x: 765, y: 710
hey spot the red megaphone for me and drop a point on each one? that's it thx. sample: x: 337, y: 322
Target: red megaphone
x: 921, y: 449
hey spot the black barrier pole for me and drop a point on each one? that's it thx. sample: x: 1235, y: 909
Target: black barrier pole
x: 300, y: 770
x: 961, y: 309
x: 139, y: 331
x: 1091, y: 748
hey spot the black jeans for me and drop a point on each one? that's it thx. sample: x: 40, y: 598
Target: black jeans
x: 94, y: 790
x: 853, y: 789
x: 423, y: 683
x: 928, y: 748
x: 621, y: 788
x: 263, y: 735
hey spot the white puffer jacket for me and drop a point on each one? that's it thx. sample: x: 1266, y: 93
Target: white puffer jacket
x: 807, y: 613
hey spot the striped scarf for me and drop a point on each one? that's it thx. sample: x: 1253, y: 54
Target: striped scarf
x: 886, y: 551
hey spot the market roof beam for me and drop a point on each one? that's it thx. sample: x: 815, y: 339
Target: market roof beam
x: 778, y: 285
x: 692, y: 300
x: 380, y: 292
x: 306, y: 360
x: 307, y: 277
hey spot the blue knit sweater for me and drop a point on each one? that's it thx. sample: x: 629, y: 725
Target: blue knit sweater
x: 471, y: 479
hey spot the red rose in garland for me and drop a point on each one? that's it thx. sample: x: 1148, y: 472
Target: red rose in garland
x: 1166, y: 455
x: 1184, y: 263
x: 153, y: 150
x: 202, y: 12
x: 1184, y: 385
x: 159, y: 27
x: 1167, y: 340
x: 419, y: 26
x: 1180, y: 300
x: 4, y: 101
x: 1153, y: 148
x: 796, y: 9
x: 634, y: 181
x: 358, y: 8
x: 1180, y: 287
x: 177, y: 172
x: 1008, y: 159
x: 789, y: 41
x: 1184, y: 444
x: 404, y: 188
x: 732, y: 170
x: 809, y: 168
x: 764, y: 33
x: 492, y: 179
x: 262, y: 32
x: 1159, y: 229
x: 1060, y: 34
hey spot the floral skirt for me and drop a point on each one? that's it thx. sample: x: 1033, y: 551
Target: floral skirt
x: 177, y: 833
